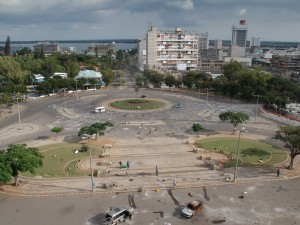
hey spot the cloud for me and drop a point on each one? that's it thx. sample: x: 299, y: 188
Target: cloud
x: 242, y: 12
x: 186, y: 4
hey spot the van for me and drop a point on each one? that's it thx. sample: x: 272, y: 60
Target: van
x: 117, y: 215
x: 99, y: 109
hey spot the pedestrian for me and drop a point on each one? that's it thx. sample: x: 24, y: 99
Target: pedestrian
x: 127, y: 172
x: 128, y: 164
x: 278, y: 172
x: 120, y: 164
x: 156, y: 171
x: 174, y: 184
x: 5, y: 116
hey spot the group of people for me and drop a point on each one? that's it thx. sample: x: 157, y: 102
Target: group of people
x: 127, y: 167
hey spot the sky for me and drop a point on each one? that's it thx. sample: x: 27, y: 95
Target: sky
x: 25, y: 20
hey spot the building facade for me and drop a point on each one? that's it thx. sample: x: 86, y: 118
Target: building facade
x: 47, y: 47
x: 171, y: 50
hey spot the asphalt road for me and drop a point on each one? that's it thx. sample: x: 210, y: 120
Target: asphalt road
x: 44, y: 115
x: 271, y: 203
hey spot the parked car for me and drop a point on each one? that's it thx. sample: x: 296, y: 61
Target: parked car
x: 143, y: 96
x: 191, y: 208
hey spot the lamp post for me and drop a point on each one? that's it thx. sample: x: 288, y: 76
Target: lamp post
x: 65, y: 97
x: 76, y: 90
x: 206, y: 95
x: 199, y: 82
x: 237, y: 154
x: 91, y: 166
x: 256, y: 107
x: 20, y: 124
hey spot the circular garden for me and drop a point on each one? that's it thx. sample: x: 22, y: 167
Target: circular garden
x: 137, y: 104
x: 251, y: 152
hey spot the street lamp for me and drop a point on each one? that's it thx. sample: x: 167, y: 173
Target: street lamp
x: 91, y: 166
x: 20, y: 124
x: 238, y: 153
x: 206, y: 95
x: 76, y: 90
x: 199, y: 82
x: 256, y: 107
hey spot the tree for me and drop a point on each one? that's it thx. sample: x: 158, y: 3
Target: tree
x: 7, y: 48
x: 19, y: 158
x: 235, y: 118
x: 5, y: 171
x: 290, y: 136
x: 197, y: 128
x: 57, y: 130
x: 95, y: 128
x: 170, y: 81
x: 107, y: 76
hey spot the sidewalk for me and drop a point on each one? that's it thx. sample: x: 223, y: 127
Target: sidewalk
x: 136, y: 183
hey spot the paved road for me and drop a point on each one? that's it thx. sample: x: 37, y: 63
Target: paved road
x: 271, y: 203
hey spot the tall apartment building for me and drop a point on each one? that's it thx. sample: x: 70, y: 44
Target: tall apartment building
x: 172, y: 50
x: 142, y: 57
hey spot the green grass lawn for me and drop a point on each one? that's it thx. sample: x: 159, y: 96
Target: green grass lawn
x: 137, y: 104
x: 60, y: 160
x: 251, y: 151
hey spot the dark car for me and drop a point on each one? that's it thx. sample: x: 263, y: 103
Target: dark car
x: 177, y: 106
x: 143, y: 96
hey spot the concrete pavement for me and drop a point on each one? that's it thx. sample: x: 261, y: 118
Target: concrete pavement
x: 115, y: 183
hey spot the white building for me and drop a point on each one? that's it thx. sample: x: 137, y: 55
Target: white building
x: 218, y: 44
x: 239, y: 39
x: 142, y: 57
x: 243, y: 60
x: 171, y: 50
x: 255, y: 41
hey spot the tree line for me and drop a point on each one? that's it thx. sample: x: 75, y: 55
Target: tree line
x: 236, y: 82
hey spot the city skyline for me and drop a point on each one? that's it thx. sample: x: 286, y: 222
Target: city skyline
x: 271, y: 20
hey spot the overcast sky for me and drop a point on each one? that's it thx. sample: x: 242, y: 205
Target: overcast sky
x: 272, y: 20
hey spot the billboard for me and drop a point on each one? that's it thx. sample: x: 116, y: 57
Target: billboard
x: 242, y: 22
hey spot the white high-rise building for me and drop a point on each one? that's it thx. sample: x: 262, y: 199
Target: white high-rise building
x: 218, y: 44
x: 142, y: 53
x: 239, y: 39
x: 255, y: 41
x: 203, y: 41
x: 172, y: 50
x: 239, y: 34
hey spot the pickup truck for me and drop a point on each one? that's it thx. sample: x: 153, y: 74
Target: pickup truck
x: 191, y: 208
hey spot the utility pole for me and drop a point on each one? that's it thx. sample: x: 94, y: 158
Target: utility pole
x: 256, y: 107
x: 237, y: 154
x: 20, y: 124
x: 91, y: 166
x: 76, y: 90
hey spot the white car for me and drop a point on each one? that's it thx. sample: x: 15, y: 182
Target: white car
x: 189, y: 210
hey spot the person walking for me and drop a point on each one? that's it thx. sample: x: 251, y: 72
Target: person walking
x: 278, y: 172
x: 120, y: 163
x: 128, y: 164
x: 156, y: 171
x: 174, y: 184
x: 127, y: 172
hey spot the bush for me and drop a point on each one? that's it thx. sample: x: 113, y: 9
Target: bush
x: 136, y: 101
x: 84, y: 148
